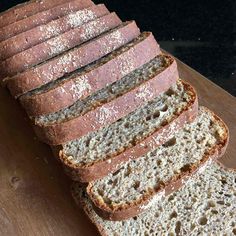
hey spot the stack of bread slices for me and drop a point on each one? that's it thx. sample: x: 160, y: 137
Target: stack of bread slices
x: 127, y: 130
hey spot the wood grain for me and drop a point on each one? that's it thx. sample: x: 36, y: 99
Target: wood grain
x: 35, y: 194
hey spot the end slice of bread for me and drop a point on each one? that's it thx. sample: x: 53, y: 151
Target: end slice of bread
x: 106, y: 150
x: 206, y: 205
x: 45, y: 100
x: 140, y: 183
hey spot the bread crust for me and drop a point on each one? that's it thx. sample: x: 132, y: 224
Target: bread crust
x: 26, y: 9
x: 77, y: 57
x: 40, y: 34
x: 55, y: 46
x: 128, y: 211
x: 42, y: 18
x: 47, y: 102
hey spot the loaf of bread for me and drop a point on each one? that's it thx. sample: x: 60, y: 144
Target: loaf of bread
x: 140, y: 183
x: 204, y: 206
x: 102, y: 152
x: 80, y: 85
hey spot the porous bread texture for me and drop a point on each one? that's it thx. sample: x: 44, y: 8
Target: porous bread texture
x: 150, y: 172
x: 106, y: 94
x: 115, y: 138
x: 206, y: 205
x: 82, y: 71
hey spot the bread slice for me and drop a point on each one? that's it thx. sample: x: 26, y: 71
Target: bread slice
x: 104, y: 107
x: 77, y: 57
x: 57, y: 45
x: 205, y: 206
x: 120, y: 62
x: 139, y: 183
x: 78, y: 86
x: 41, y: 33
x: 42, y: 18
x: 27, y: 9
x: 104, y: 151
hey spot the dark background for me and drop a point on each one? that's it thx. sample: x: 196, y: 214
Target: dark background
x: 200, y: 33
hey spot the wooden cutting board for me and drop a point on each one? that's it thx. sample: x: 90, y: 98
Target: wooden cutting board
x: 35, y: 194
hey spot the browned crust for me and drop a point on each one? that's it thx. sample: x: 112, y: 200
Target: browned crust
x: 32, y: 37
x: 128, y: 211
x: 41, y: 18
x: 100, y: 169
x: 44, y: 51
x: 47, y: 102
x: 26, y: 9
x: 78, y: 57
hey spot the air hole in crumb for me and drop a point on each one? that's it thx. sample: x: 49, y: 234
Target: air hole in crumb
x: 185, y: 168
x: 100, y: 192
x: 87, y: 142
x: 164, y: 108
x: 223, y: 181
x: 202, y: 220
x: 107, y: 200
x: 177, y: 227
x: 156, y: 115
x: 148, y: 118
x: 136, y: 185
x: 110, y: 182
x: 220, y: 202
x: 128, y: 172
x: 158, y: 162
x: 173, y: 215
x: 126, y: 125
x: 170, y: 198
x: 170, y: 92
x: 164, y: 122
x: 117, y: 172
x: 170, y: 142
x: 135, y: 218
x: 211, y: 204
x: 215, y: 212
x: 234, y: 231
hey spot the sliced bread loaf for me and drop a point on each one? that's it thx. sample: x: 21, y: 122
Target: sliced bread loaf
x: 105, y: 106
x: 119, y: 63
x: 104, y: 151
x: 42, y: 18
x: 39, y: 34
x: 77, y: 57
x: 57, y: 45
x: 205, y: 206
x: 139, y: 183
x: 27, y: 9
x: 45, y: 100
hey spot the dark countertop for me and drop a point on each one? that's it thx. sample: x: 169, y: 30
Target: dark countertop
x: 201, y: 34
